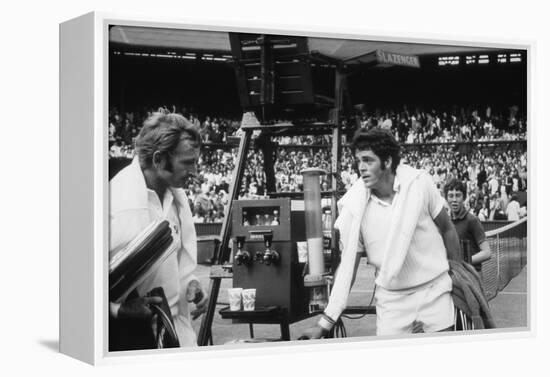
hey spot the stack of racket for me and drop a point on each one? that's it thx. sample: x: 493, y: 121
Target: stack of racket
x: 139, y: 258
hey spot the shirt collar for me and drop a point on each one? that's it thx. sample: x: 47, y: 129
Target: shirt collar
x: 167, y: 200
x: 460, y: 215
x: 396, y: 188
x: 396, y: 184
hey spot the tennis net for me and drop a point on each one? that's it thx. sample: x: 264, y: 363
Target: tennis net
x: 508, y: 256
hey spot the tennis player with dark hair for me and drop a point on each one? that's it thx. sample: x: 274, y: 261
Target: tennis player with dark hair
x: 151, y: 188
x: 396, y: 214
x: 469, y: 228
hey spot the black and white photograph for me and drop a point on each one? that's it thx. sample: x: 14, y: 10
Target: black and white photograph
x: 266, y: 188
x: 275, y: 188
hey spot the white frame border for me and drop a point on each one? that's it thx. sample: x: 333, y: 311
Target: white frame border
x: 100, y: 194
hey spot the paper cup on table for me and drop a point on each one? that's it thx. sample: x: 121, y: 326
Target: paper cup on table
x: 249, y: 299
x: 235, y: 298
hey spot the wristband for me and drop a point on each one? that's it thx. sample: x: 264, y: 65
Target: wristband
x: 325, y: 322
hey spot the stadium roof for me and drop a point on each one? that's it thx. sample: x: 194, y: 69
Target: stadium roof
x: 218, y: 42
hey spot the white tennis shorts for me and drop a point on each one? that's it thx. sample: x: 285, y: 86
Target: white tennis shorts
x: 429, y: 305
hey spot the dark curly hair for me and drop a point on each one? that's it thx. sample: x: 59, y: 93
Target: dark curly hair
x: 455, y: 184
x: 380, y: 141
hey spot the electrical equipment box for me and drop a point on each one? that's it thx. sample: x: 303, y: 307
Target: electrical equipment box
x: 265, y: 234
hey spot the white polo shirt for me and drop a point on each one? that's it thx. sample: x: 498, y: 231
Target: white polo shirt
x: 426, y: 258
x: 168, y: 274
x: 132, y: 208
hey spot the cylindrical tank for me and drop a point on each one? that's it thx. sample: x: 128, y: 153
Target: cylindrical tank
x: 313, y: 218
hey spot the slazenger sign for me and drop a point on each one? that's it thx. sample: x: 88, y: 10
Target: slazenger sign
x: 397, y: 59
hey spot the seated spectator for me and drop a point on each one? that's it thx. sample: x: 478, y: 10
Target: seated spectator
x: 483, y: 214
x: 201, y: 202
x: 199, y: 216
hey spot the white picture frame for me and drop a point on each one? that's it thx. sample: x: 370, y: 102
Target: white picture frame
x: 83, y: 170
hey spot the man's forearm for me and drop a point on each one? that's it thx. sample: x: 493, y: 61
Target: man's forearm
x: 483, y: 255
x: 339, y: 294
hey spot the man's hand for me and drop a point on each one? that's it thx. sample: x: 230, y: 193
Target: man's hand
x: 138, y: 308
x: 315, y: 332
x: 196, y: 294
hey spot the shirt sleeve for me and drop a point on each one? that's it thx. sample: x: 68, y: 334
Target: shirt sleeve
x: 476, y: 230
x: 434, y: 200
x: 361, y: 249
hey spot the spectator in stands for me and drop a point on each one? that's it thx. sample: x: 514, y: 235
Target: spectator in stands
x: 472, y: 204
x: 483, y: 214
x: 493, y: 206
x: 481, y: 176
x: 523, y: 176
x: 493, y: 184
x: 504, y: 198
x: 513, y: 209
x: 469, y: 228
x: 199, y: 216
x: 201, y: 204
x: 215, y: 134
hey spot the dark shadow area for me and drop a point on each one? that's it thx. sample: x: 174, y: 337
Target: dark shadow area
x: 53, y: 345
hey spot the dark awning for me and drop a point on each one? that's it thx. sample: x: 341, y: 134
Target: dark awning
x: 350, y: 50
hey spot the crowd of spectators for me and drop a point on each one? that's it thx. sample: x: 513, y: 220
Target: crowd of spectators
x: 124, y: 127
x: 455, y: 125
x: 492, y: 179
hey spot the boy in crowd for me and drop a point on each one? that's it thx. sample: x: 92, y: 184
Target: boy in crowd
x: 469, y: 228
